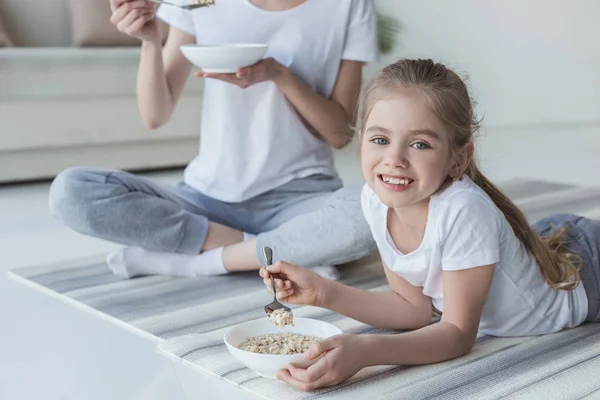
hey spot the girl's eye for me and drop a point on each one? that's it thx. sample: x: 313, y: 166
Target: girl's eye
x: 380, y: 141
x: 420, y: 146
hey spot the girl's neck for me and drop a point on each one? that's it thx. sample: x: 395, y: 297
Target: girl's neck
x: 413, y: 217
x: 276, y: 5
x: 407, y: 226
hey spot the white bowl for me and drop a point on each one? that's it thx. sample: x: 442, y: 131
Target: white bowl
x: 267, y: 365
x: 223, y: 58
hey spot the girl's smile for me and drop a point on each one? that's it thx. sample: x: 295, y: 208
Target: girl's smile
x: 396, y: 183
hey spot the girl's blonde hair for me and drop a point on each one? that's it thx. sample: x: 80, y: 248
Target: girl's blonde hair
x: 447, y: 97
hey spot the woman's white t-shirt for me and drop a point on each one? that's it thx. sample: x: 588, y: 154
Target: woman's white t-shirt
x: 464, y: 230
x: 253, y: 140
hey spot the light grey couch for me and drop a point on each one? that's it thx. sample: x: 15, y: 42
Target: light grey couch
x: 62, y: 105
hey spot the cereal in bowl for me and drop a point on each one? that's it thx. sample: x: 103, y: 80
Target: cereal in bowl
x: 283, y: 343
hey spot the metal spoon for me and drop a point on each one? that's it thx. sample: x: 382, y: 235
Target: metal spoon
x: 275, y: 305
x: 192, y: 6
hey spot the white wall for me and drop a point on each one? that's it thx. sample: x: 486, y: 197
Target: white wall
x: 534, y: 68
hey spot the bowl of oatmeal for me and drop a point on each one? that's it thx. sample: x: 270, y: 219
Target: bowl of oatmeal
x: 266, y: 348
x: 226, y: 58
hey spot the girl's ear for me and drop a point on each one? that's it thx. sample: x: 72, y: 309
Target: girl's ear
x: 462, y: 160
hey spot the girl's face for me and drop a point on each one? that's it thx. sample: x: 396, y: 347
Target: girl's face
x: 405, y: 150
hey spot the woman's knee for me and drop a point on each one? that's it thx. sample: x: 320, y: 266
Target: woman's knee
x: 348, y: 195
x: 69, y: 194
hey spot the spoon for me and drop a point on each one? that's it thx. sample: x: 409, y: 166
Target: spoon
x: 275, y: 305
x: 193, y: 6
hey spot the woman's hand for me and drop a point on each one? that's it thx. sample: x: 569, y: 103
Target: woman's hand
x: 294, y: 284
x: 267, y: 69
x: 136, y: 18
x: 343, y: 356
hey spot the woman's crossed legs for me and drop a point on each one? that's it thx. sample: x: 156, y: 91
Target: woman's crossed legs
x: 179, y: 231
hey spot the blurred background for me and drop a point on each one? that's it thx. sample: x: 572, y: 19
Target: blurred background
x: 535, y: 72
x: 67, y: 89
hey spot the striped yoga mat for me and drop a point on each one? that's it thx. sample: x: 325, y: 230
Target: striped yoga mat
x: 558, y: 366
x: 188, y: 317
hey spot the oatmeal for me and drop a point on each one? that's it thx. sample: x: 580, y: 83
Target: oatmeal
x: 283, y: 343
x: 280, y: 318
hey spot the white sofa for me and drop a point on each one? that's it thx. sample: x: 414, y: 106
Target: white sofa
x: 62, y: 105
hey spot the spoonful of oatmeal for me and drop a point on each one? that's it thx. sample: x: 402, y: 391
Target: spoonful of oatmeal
x: 279, y: 315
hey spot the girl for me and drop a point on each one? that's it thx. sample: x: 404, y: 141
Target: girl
x: 449, y: 240
x: 266, y: 163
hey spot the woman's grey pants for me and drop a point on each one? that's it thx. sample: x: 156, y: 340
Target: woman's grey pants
x: 308, y: 221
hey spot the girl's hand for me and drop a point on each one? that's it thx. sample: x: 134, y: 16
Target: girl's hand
x: 265, y: 70
x: 343, y: 356
x: 136, y: 18
x: 294, y: 284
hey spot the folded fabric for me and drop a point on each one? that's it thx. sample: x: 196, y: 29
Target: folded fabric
x: 5, y: 40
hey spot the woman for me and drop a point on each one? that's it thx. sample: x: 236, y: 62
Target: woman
x: 266, y: 163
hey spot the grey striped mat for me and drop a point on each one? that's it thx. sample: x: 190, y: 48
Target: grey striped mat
x: 179, y: 310
x: 559, y: 366
x: 164, y: 307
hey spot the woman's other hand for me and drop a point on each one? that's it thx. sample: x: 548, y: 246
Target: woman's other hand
x: 267, y: 69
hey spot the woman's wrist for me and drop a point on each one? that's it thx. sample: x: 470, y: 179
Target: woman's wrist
x: 152, y: 44
x: 282, y: 75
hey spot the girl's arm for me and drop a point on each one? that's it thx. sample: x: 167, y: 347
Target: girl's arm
x: 162, y: 75
x: 340, y: 357
x: 331, y: 118
x: 465, y: 292
x: 404, y: 307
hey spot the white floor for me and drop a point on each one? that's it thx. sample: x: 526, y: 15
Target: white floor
x: 30, y: 365
x: 32, y: 322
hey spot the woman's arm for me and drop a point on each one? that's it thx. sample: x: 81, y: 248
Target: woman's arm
x: 162, y: 75
x: 404, y: 307
x: 465, y: 292
x: 332, y: 118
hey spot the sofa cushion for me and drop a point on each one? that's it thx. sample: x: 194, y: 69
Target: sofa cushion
x: 90, y: 25
x: 36, y: 23
x: 4, y: 38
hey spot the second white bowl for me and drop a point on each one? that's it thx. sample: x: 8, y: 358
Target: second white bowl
x: 223, y: 58
x: 267, y: 365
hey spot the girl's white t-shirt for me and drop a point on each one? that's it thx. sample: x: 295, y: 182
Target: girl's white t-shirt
x: 464, y: 230
x: 253, y: 140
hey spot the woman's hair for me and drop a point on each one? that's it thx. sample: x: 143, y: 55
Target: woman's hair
x: 447, y: 97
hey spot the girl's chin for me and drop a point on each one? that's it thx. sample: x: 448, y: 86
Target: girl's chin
x: 392, y: 199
